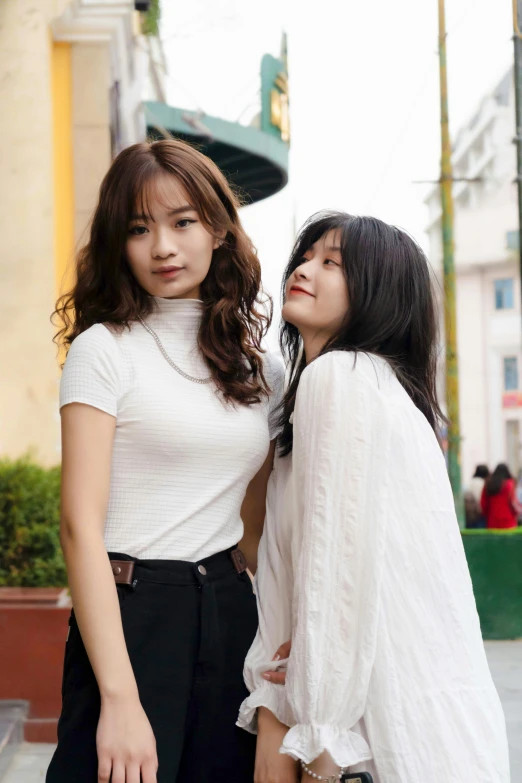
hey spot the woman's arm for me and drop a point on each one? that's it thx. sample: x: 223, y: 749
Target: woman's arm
x: 271, y: 765
x: 125, y: 742
x: 341, y: 458
x: 254, y: 504
x: 253, y: 510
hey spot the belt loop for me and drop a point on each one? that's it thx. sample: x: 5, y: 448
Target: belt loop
x: 123, y: 571
x: 239, y: 560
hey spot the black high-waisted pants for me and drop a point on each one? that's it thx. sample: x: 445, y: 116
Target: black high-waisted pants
x: 188, y: 628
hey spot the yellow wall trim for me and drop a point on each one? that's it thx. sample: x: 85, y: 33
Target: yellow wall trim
x: 63, y: 165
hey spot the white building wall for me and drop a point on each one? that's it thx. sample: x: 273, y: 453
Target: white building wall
x: 129, y: 62
x: 485, y: 211
x: 504, y: 340
x: 472, y: 369
x: 480, y: 234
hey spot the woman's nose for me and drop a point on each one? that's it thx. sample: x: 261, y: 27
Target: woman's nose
x: 303, y: 271
x: 164, y: 245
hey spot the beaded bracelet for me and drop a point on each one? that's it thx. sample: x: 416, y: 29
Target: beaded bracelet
x: 329, y: 779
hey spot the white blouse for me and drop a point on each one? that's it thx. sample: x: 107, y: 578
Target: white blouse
x: 182, y: 457
x: 362, y: 566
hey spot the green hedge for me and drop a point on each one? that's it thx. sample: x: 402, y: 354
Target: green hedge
x: 508, y: 531
x: 495, y: 564
x: 30, y: 554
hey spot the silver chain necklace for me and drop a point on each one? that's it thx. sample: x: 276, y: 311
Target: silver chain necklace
x: 167, y: 357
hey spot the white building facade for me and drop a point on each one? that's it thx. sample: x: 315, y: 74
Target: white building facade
x: 489, y: 317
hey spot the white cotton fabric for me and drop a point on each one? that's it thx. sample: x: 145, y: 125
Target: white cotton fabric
x: 361, y: 564
x: 182, y: 457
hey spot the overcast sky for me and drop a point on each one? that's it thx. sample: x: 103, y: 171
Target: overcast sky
x: 364, y: 96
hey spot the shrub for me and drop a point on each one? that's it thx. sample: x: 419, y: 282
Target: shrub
x: 151, y: 19
x: 30, y: 554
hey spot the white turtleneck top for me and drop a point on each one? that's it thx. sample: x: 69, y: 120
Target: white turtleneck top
x: 182, y: 457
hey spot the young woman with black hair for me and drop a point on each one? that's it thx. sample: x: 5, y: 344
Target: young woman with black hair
x: 499, y: 500
x: 168, y: 435
x: 361, y: 564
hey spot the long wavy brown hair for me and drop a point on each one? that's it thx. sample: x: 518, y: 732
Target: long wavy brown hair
x: 237, y: 313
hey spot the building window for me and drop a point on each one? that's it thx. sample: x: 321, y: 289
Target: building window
x: 510, y: 373
x: 504, y: 294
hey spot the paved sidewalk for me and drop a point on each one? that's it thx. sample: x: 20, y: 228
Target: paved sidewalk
x: 30, y: 765
x: 505, y: 660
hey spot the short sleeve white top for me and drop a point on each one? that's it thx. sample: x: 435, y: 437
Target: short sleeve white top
x: 182, y: 457
x: 361, y: 565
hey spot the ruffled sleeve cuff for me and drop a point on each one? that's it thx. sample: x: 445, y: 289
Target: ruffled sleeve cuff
x: 306, y: 743
x: 267, y: 695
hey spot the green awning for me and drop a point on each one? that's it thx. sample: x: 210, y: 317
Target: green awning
x: 255, y: 161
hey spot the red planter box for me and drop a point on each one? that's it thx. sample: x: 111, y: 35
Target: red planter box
x: 33, y: 630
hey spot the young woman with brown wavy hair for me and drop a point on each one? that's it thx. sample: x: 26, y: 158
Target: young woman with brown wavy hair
x: 167, y: 406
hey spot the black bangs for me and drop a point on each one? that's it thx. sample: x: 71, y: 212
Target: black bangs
x: 315, y: 227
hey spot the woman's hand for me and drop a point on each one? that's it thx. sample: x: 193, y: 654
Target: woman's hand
x: 279, y: 678
x: 125, y: 742
x: 272, y: 766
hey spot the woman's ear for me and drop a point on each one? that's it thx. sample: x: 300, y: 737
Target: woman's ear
x: 220, y: 239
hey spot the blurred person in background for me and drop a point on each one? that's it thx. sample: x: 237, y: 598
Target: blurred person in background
x: 519, y: 494
x: 499, y: 500
x: 473, y: 510
x: 476, y: 485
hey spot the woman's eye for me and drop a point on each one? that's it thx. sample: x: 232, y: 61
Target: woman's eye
x: 137, y: 231
x: 331, y: 262
x: 184, y: 222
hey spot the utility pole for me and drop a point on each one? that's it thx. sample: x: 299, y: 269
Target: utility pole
x: 450, y: 317
x: 517, y: 38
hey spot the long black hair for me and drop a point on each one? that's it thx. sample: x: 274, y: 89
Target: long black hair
x: 391, y: 309
x: 496, y: 480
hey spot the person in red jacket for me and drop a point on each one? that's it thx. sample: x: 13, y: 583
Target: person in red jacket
x: 499, y: 501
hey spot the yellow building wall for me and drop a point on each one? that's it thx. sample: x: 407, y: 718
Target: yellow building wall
x: 91, y: 75
x: 29, y: 419
x: 55, y: 142
x: 64, y: 210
